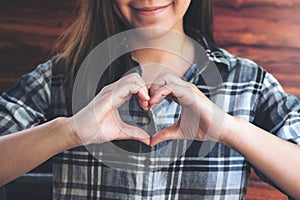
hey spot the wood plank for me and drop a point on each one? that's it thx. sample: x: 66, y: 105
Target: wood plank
x: 266, y: 31
x: 239, y: 4
x: 259, y: 190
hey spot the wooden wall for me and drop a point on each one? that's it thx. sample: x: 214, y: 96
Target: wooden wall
x: 266, y: 31
x: 28, y: 32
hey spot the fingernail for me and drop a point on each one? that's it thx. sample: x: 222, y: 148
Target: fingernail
x: 146, y: 105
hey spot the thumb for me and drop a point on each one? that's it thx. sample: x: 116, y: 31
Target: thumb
x: 169, y: 133
x: 128, y: 132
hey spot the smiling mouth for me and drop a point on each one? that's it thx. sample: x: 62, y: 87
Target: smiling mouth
x: 150, y: 10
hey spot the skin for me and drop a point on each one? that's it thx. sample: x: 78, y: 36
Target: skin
x: 152, y: 13
x: 29, y: 148
x: 101, y: 125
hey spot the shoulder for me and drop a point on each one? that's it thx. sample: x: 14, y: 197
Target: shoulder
x: 45, y: 67
x: 232, y: 65
x: 36, y: 82
x: 237, y: 68
x: 43, y: 70
x: 27, y: 102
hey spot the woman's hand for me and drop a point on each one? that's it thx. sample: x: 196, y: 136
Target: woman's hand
x: 200, y: 118
x: 263, y: 150
x: 100, y: 122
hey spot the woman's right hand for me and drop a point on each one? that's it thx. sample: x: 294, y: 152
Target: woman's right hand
x: 100, y: 122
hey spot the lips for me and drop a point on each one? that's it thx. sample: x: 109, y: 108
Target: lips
x: 148, y: 10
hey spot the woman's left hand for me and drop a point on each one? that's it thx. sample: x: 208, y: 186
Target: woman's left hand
x: 200, y: 118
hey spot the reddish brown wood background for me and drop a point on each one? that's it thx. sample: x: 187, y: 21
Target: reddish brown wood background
x: 266, y: 31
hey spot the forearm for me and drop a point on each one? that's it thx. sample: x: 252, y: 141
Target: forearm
x: 24, y: 150
x: 276, y: 158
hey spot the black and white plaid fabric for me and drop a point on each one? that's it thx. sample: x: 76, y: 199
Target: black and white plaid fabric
x: 173, y: 169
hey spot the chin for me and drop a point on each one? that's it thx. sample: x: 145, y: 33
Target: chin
x: 153, y: 32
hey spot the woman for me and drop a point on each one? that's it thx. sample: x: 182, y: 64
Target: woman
x: 253, y: 106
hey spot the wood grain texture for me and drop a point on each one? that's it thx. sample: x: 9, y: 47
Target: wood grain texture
x: 266, y: 31
x: 28, y: 31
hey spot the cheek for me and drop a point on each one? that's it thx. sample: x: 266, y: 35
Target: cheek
x: 123, y: 11
x: 182, y: 6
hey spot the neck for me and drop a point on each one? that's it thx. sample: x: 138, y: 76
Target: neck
x: 173, y: 51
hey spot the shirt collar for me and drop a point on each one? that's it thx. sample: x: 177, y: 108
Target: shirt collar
x: 207, y: 54
x: 213, y: 53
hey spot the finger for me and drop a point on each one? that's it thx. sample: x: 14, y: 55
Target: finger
x: 144, y: 104
x: 155, y: 86
x: 182, y: 93
x: 122, y: 84
x: 157, y: 97
x: 157, y: 83
x: 142, y: 94
x: 162, y: 81
x: 169, y: 133
x: 124, y: 92
x: 128, y: 132
x: 135, y: 78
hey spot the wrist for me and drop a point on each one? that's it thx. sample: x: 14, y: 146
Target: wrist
x: 220, y: 125
x: 67, y: 130
x: 237, y: 133
x: 227, y: 136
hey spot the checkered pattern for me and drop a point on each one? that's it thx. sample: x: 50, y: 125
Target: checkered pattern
x: 173, y: 169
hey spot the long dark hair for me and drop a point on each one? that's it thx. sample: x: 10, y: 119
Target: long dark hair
x: 98, y: 21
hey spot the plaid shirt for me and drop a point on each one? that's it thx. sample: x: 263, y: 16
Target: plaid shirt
x: 173, y: 169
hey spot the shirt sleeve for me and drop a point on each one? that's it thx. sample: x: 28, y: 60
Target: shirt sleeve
x: 26, y: 104
x: 277, y: 111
